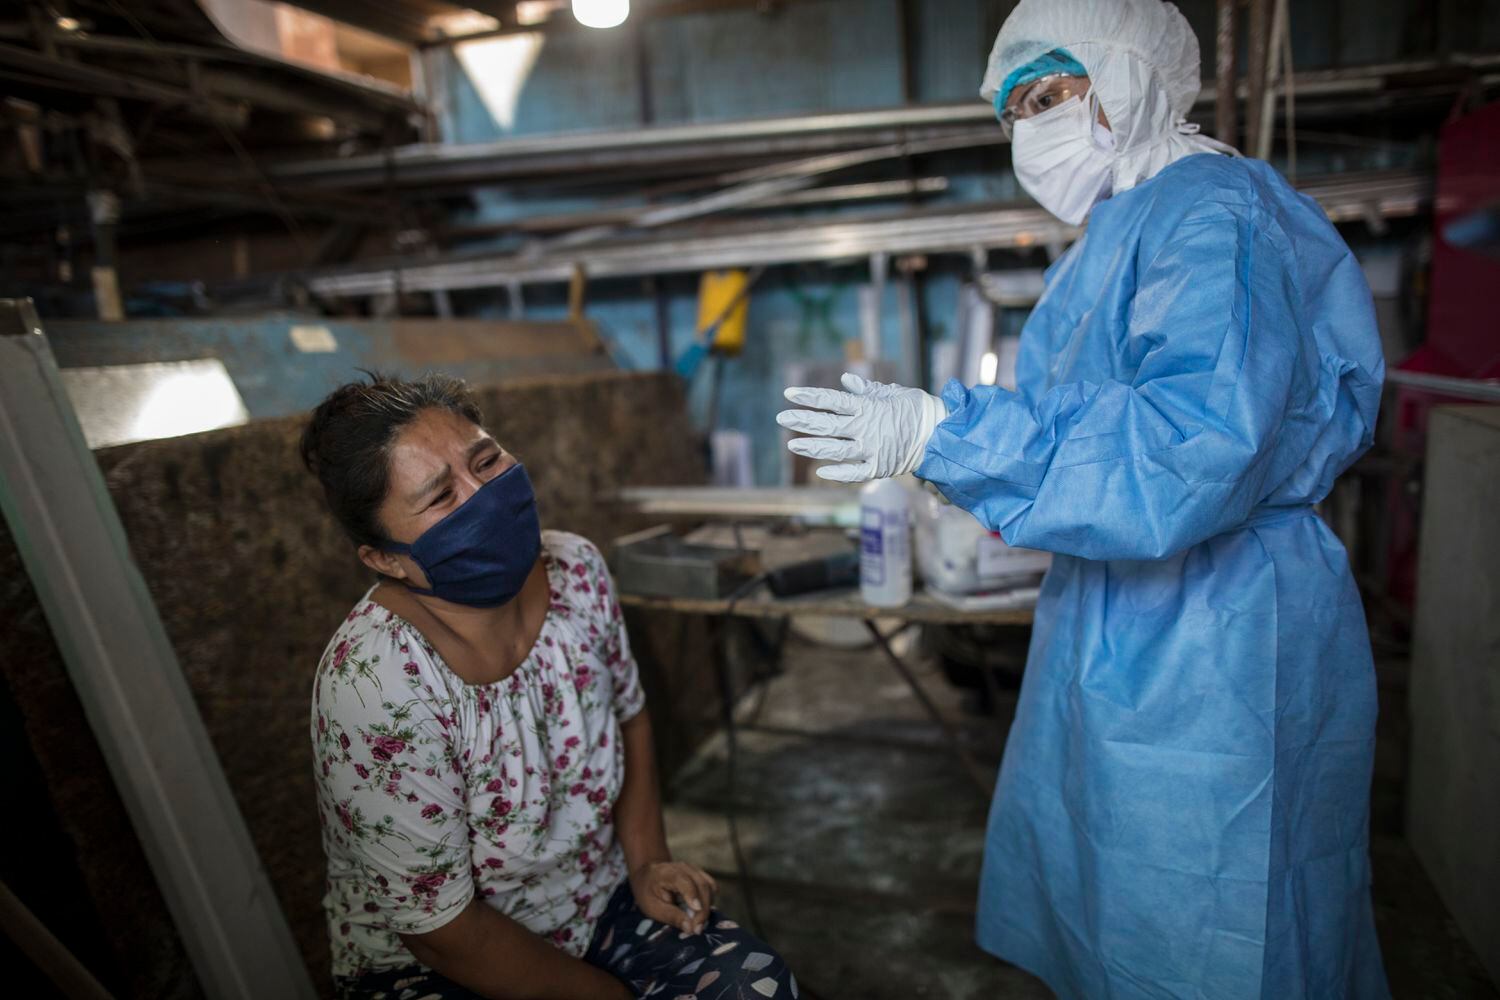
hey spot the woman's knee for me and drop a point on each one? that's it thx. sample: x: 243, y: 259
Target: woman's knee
x: 741, y: 958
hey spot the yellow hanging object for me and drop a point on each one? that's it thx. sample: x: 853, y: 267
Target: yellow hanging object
x: 719, y: 291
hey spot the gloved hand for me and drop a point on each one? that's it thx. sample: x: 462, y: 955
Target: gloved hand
x: 875, y: 430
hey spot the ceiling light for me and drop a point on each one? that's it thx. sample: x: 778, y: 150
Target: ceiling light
x: 601, y: 13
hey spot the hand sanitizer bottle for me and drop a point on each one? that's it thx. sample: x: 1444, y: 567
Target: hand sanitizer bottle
x: 885, y: 544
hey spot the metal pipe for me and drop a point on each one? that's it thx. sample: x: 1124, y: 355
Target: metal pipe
x: 1484, y: 390
x: 603, y: 145
x: 1266, y: 123
x: 830, y: 242
x: 1258, y: 47
x: 869, y: 190
x: 1344, y: 198
x: 117, y: 84
x: 236, y: 83
x: 908, y: 24
x: 425, y: 164
x: 1225, y: 123
x: 1288, y: 88
x: 777, y: 181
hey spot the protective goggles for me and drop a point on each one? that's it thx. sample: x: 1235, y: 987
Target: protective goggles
x: 1039, y: 96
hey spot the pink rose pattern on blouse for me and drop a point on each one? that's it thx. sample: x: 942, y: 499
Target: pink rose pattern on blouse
x: 432, y: 791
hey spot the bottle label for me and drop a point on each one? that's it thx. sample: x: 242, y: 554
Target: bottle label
x: 872, y: 548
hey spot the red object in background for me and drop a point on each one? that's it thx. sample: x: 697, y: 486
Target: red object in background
x: 1463, y: 317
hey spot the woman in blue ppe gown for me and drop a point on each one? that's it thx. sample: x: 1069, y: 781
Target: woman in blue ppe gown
x: 1182, y: 810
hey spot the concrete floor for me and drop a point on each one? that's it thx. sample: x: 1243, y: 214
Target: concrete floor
x: 865, y: 843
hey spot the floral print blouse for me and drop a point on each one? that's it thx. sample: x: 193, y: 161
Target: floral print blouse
x: 432, y: 791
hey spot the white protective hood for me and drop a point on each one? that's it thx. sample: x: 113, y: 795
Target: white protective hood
x: 1142, y: 59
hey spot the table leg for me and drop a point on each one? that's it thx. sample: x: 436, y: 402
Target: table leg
x: 985, y: 784
x: 991, y: 687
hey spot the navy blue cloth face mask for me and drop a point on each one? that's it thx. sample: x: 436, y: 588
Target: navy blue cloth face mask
x: 481, y: 553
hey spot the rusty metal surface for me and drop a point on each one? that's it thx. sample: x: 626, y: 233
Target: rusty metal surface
x: 1258, y: 33
x: 464, y: 341
x: 1226, y: 112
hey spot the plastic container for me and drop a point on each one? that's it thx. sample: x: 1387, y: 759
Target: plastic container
x: 958, y: 556
x: 885, y: 544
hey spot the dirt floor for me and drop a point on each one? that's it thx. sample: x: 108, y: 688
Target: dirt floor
x: 864, y: 837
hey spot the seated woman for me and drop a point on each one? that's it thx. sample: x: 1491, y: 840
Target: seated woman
x: 485, y: 774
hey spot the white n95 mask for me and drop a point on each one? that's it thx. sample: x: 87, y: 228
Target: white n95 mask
x: 1063, y: 158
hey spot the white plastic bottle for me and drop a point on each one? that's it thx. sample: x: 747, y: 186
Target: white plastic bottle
x: 885, y: 544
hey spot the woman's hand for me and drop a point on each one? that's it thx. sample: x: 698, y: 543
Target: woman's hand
x: 494, y: 956
x: 674, y: 893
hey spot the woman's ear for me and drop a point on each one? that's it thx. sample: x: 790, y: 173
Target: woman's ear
x: 382, y: 562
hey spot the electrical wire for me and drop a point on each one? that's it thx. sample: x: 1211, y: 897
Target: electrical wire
x: 731, y: 739
x: 726, y: 692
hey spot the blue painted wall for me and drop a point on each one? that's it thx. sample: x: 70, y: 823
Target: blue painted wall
x: 825, y: 55
x: 828, y: 55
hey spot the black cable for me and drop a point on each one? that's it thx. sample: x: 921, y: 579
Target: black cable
x: 726, y: 700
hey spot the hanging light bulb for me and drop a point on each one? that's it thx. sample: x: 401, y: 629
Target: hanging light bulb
x: 601, y: 13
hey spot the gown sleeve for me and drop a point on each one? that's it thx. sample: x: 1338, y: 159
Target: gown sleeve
x: 1184, y: 449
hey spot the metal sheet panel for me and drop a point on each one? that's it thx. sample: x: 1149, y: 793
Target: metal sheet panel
x: 130, y: 683
x: 118, y: 404
x: 1453, y: 807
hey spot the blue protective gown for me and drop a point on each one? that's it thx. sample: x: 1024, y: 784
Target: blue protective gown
x: 1183, y: 806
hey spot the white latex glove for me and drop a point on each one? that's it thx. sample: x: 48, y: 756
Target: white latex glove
x: 874, y: 430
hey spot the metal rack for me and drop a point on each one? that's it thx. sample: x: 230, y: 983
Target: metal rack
x: 1371, y: 197
x: 549, y: 156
